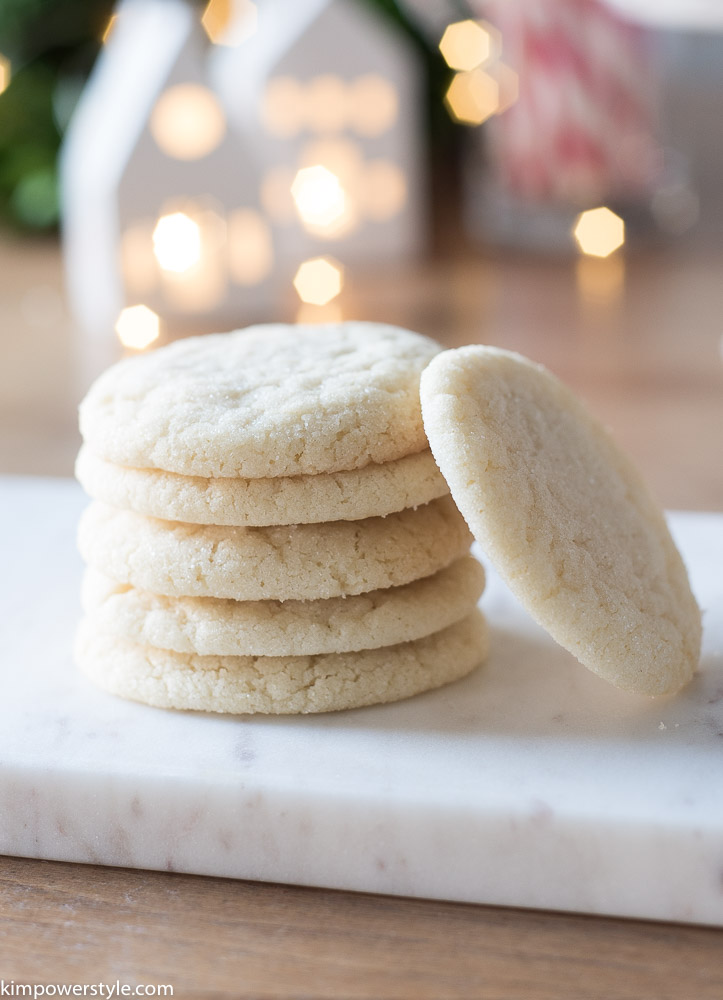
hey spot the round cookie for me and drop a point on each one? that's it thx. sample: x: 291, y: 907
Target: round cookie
x: 302, y: 562
x: 268, y: 401
x: 214, y: 627
x: 334, y: 496
x: 278, y: 684
x: 564, y: 516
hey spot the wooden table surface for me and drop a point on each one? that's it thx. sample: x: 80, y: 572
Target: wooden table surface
x: 640, y: 340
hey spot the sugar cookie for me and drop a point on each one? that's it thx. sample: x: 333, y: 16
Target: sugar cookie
x: 268, y: 401
x: 375, y: 490
x: 215, y: 627
x: 564, y: 516
x: 303, y: 562
x: 278, y: 684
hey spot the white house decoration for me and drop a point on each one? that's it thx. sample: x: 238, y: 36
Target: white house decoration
x: 200, y: 178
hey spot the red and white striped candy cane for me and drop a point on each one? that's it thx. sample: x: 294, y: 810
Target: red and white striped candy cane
x: 582, y: 128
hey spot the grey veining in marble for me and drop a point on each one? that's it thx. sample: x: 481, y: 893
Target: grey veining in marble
x: 531, y: 783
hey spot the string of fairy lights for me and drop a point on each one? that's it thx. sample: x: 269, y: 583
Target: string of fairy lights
x: 331, y: 191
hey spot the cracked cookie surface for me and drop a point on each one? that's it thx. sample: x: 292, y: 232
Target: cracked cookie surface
x: 564, y: 516
x: 303, y: 562
x: 268, y: 401
x: 277, y: 684
x: 212, y: 626
x: 374, y: 490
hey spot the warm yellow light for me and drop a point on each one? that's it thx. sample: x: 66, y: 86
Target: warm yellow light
x: 319, y: 281
x: 343, y: 157
x: 472, y: 97
x: 250, y: 247
x: 373, y: 105
x: 138, y: 262
x: 201, y: 285
x: 327, y: 104
x: 5, y: 73
x: 177, y: 242
x: 466, y: 45
x: 600, y: 281
x: 216, y: 18
x: 283, y: 107
x: 109, y: 28
x: 187, y: 121
x: 320, y: 199
x: 230, y: 22
x: 137, y: 327
x: 385, y: 190
x: 314, y: 315
x: 599, y: 232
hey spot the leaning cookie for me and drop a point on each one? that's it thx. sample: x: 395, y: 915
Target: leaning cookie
x: 564, y: 516
x: 267, y: 401
x: 278, y: 684
x: 293, y: 562
x: 214, y: 627
x: 375, y: 490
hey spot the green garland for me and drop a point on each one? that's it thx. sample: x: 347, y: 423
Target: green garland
x: 52, y: 45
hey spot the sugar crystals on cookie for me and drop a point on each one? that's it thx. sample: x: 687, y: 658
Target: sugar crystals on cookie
x: 564, y: 516
x: 270, y: 532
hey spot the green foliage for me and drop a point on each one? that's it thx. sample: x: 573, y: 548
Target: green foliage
x: 51, y: 45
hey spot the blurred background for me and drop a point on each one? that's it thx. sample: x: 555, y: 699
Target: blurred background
x: 544, y: 175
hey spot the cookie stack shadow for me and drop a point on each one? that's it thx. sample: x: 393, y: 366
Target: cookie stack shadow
x: 276, y: 594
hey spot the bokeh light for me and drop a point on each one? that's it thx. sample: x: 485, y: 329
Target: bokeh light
x: 250, y: 247
x: 373, y: 105
x: 327, y: 104
x: 230, y: 22
x: 177, y: 242
x: 465, y: 45
x: 330, y: 313
x: 137, y: 327
x: 343, y: 157
x: 320, y: 199
x: 283, y: 107
x: 473, y: 97
x: 187, y: 122
x: 599, y: 232
x: 216, y: 18
x: 5, y: 73
x: 202, y: 284
x: 508, y: 83
x: 318, y: 281
x: 600, y: 280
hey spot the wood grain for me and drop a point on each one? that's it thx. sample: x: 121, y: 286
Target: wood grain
x: 648, y: 363
x: 216, y: 937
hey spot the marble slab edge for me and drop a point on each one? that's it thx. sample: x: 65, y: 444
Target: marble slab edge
x: 538, y: 858
x: 529, y: 784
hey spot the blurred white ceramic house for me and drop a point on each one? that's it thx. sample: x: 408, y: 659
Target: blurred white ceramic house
x: 200, y: 178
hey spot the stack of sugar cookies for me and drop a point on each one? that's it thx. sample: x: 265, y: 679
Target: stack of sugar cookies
x: 269, y: 531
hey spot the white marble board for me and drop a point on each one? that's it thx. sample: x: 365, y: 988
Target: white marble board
x: 531, y: 783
